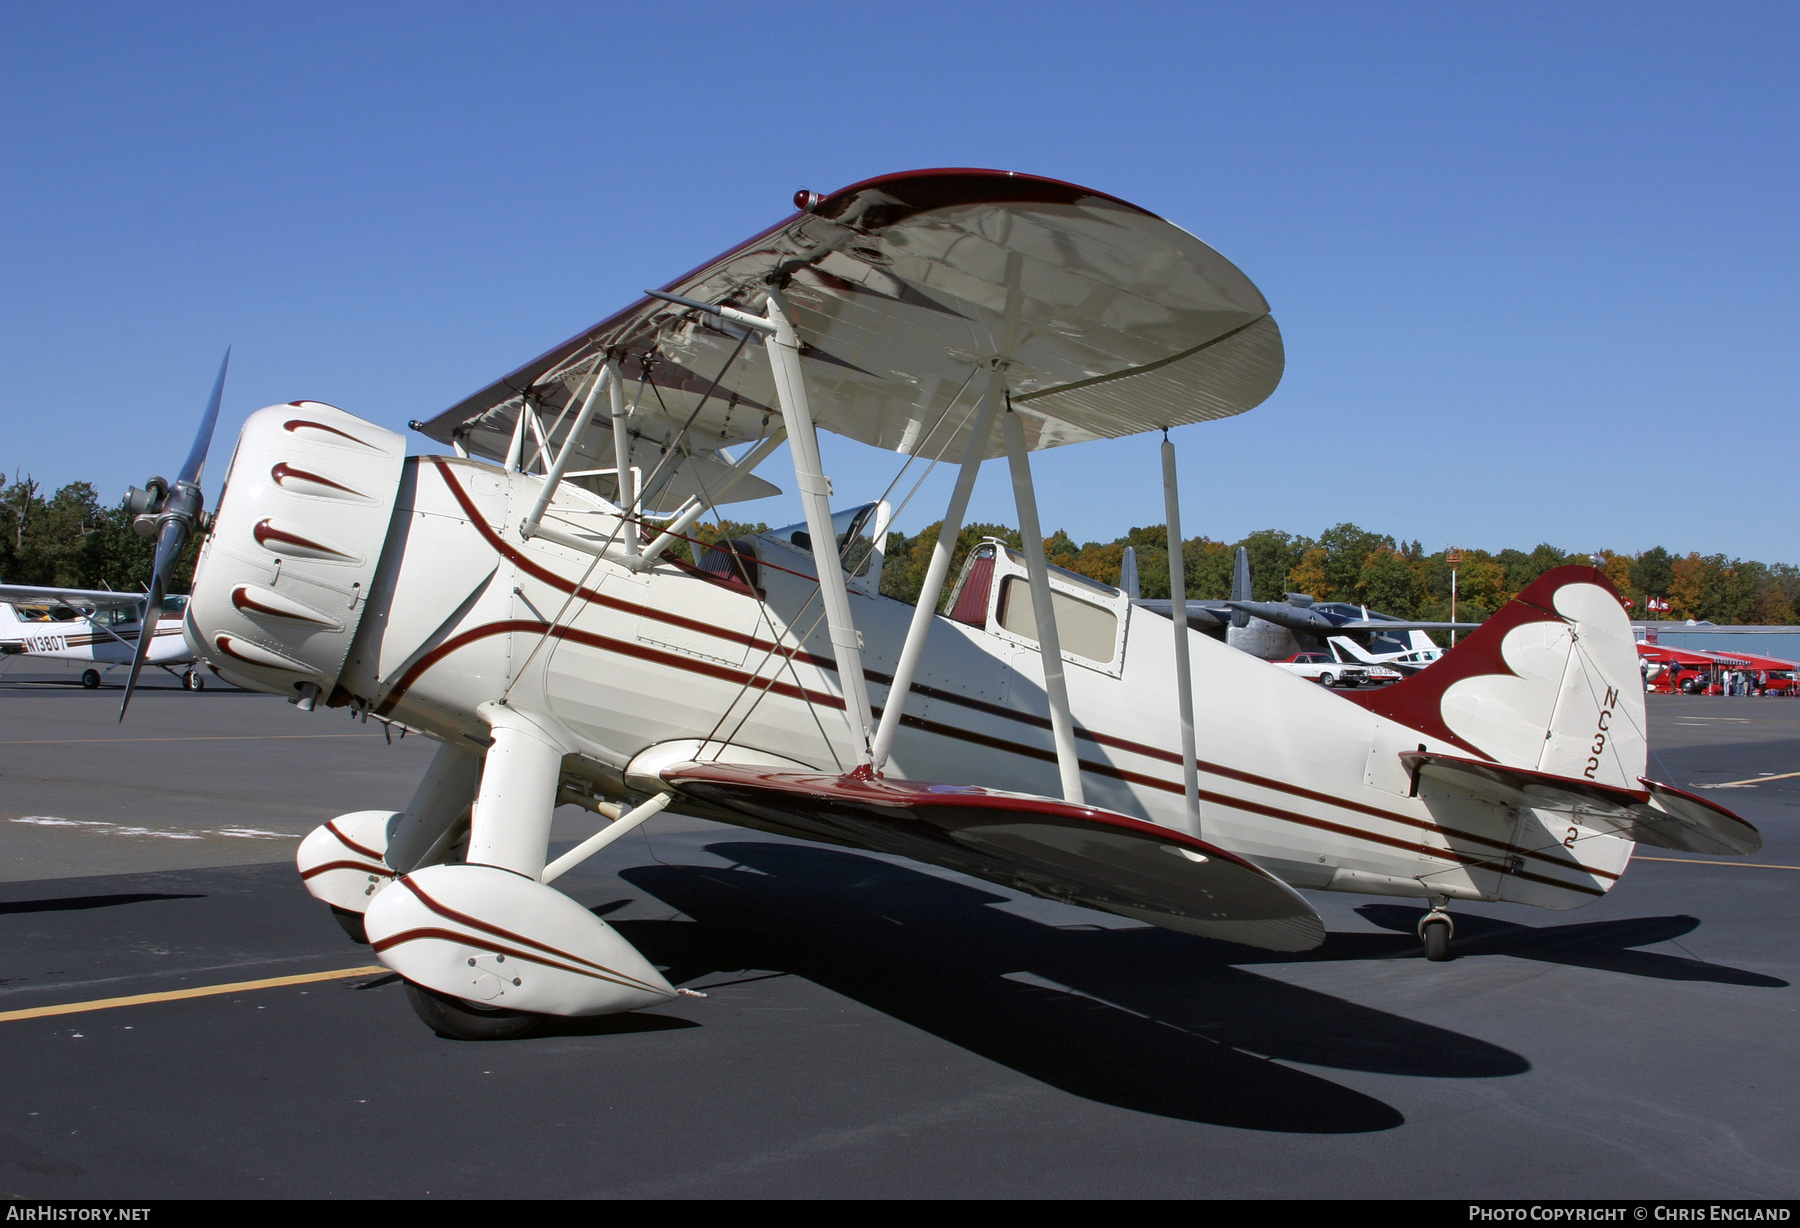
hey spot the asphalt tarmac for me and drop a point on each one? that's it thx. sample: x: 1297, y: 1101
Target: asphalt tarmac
x: 873, y: 1028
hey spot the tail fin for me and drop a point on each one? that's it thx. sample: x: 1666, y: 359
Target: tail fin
x: 1240, y: 586
x: 1348, y: 647
x: 1128, y: 575
x: 1549, y: 684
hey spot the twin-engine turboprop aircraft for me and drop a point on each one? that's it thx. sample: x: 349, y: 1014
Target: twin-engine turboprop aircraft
x: 527, y: 602
x: 78, y: 624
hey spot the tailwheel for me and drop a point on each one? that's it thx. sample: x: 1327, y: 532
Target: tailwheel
x: 90, y: 678
x: 1435, y: 931
x: 193, y: 681
x: 460, y: 1019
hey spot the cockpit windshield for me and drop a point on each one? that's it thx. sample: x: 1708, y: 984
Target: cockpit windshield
x: 853, y: 528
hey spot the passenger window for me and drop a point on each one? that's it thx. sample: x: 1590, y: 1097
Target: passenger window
x: 1085, y: 630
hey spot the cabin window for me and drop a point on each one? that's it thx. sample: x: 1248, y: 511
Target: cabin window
x: 971, y: 601
x: 1083, y: 629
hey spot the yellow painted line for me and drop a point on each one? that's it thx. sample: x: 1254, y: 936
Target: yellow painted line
x: 1754, y: 780
x: 223, y: 737
x: 1694, y: 861
x: 175, y: 995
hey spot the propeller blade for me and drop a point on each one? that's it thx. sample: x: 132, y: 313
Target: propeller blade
x: 169, y: 543
x: 196, y: 461
x: 180, y: 510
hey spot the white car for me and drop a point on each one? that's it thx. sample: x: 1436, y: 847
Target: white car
x: 1325, y: 671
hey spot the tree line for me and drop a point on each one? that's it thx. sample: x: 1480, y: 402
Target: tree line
x: 1353, y: 564
x: 70, y: 539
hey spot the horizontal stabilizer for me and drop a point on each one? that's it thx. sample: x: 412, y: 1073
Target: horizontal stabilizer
x: 1658, y: 814
x: 1049, y: 848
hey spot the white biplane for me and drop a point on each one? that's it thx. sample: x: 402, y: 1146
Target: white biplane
x: 520, y: 602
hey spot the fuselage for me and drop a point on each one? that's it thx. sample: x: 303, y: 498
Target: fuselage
x: 99, y: 638
x: 462, y: 610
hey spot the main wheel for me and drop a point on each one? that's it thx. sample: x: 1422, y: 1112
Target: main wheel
x: 463, y: 1020
x: 90, y: 678
x: 193, y: 681
x: 352, y: 923
x: 1436, y: 934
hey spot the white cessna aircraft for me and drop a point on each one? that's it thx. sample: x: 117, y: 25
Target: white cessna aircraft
x: 519, y: 602
x: 78, y: 624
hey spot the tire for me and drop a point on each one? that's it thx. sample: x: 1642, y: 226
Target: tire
x: 352, y: 923
x: 461, y: 1020
x: 1436, y: 934
x: 90, y: 679
x: 193, y: 681
x: 1328, y: 680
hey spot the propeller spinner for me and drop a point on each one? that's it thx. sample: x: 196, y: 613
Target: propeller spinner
x: 171, y: 514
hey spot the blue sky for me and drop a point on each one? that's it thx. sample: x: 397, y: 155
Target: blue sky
x: 1536, y: 265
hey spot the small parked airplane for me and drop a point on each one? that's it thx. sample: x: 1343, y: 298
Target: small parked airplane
x: 524, y: 601
x: 76, y: 624
x: 1419, y: 652
x: 1299, y: 623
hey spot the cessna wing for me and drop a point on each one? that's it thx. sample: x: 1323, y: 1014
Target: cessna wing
x: 72, y: 598
x: 1110, y: 321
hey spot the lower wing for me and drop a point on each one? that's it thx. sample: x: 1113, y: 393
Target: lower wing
x: 1049, y: 848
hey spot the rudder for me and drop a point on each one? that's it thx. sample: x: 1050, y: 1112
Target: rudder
x: 1549, y: 684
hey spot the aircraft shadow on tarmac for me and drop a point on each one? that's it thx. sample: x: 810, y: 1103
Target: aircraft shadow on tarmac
x: 1602, y: 945
x: 77, y: 903
x: 1139, y: 1018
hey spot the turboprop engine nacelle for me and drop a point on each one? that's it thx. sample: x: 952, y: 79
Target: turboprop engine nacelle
x: 285, y: 574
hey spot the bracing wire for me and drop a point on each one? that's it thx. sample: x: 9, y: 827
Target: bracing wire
x: 676, y: 444
x: 776, y: 635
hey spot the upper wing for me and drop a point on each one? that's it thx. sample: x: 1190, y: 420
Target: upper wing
x: 1050, y: 848
x: 1112, y: 321
x: 32, y: 594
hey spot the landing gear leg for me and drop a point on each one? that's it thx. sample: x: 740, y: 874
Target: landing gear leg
x: 1436, y: 929
x: 485, y: 945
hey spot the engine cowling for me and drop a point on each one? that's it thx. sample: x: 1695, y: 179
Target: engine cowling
x: 285, y: 574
